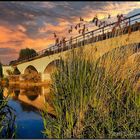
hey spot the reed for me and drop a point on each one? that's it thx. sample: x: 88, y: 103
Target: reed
x: 93, y: 99
x: 7, y: 119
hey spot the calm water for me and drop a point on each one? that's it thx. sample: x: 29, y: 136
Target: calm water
x: 27, y: 104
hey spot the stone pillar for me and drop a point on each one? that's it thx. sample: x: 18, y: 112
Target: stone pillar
x: 45, y: 77
x: 42, y: 77
x: 21, y: 78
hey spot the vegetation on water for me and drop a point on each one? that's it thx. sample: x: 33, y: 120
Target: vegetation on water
x: 95, y: 99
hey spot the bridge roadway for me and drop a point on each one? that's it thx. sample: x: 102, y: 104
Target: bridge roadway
x: 96, y: 43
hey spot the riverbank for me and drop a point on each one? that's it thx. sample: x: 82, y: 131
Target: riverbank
x: 30, y: 84
x: 24, y: 84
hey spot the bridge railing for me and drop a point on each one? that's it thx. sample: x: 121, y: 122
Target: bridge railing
x: 102, y: 33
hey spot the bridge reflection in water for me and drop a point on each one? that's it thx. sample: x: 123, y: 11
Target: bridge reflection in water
x: 35, y: 96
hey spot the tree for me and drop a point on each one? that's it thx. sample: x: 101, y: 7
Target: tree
x: 25, y: 53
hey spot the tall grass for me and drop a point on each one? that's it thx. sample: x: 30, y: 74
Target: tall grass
x: 94, y: 99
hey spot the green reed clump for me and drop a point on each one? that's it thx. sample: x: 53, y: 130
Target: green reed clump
x: 7, y: 118
x: 116, y: 113
x: 91, y: 102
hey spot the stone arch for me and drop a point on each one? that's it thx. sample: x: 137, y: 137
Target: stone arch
x: 30, y: 69
x: 31, y: 74
x: 120, y: 51
x: 132, y: 66
x: 32, y: 97
x: 50, y: 68
x: 16, y: 71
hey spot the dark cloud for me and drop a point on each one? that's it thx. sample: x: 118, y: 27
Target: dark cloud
x: 33, y: 15
x: 19, y: 13
x: 7, y: 51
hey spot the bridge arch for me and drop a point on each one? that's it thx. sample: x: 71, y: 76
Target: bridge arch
x: 120, y: 51
x: 16, y: 71
x: 30, y: 69
x: 53, y: 65
x: 32, y: 97
x: 31, y: 74
x: 50, y: 68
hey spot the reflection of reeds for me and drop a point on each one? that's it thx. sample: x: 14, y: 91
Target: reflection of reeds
x: 7, y: 119
x: 93, y: 100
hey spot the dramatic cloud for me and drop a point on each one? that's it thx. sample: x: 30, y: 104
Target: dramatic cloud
x: 31, y: 24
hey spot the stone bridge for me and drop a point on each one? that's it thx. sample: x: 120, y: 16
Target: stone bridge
x: 98, y: 42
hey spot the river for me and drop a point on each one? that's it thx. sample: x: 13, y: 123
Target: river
x: 28, y: 103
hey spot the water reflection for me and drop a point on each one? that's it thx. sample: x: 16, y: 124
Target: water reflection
x: 36, y: 96
x: 7, y: 118
x: 27, y: 103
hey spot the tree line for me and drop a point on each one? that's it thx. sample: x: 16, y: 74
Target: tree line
x: 24, y: 53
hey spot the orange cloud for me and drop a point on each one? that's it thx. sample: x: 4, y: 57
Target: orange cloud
x: 21, y: 28
x: 10, y: 35
x: 8, y: 39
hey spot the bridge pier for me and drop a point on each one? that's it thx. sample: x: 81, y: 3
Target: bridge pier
x: 21, y: 78
x: 45, y: 77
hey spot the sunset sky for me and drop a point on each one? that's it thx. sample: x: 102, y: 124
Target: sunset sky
x: 32, y: 24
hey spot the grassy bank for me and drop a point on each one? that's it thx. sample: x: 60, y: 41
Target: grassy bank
x: 95, y: 99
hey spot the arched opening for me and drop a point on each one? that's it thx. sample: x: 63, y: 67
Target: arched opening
x: 31, y: 74
x: 120, y: 52
x: 30, y: 70
x: 132, y: 66
x: 16, y: 71
x: 32, y: 97
x: 14, y: 76
x: 32, y: 93
x: 51, y: 68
